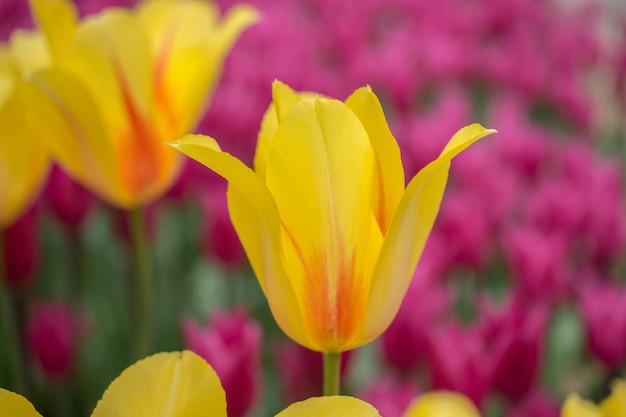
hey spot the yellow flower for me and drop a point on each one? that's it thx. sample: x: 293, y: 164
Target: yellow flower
x: 442, y: 404
x: 125, y: 82
x: 23, y: 160
x: 181, y: 384
x: 612, y: 406
x: 328, y: 226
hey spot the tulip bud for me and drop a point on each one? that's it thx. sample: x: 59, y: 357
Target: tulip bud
x: 21, y: 249
x: 232, y: 346
x: 69, y: 201
x: 52, y: 335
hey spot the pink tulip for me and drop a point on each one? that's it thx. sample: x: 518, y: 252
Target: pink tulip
x: 69, y: 201
x: 22, y: 249
x: 603, y: 307
x: 232, y: 346
x: 52, y: 335
x: 390, y: 398
x: 516, y: 336
x: 219, y: 238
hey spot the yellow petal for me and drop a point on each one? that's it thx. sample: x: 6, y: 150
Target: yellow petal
x: 255, y: 217
x: 269, y: 124
x: 14, y: 405
x: 110, y: 54
x: 442, y: 404
x: 615, y: 404
x: 388, y: 175
x: 334, y: 406
x: 29, y: 51
x: 178, y: 384
x: 57, y: 19
x: 319, y: 172
x: 284, y: 98
x: 75, y: 134
x: 575, y: 406
x: 189, y: 45
x: 23, y: 160
x: 408, y: 233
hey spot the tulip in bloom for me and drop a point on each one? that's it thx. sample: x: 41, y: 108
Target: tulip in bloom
x: 126, y: 81
x: 181, y: 384
x: 325, y: 220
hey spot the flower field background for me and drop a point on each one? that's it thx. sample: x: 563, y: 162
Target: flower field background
x: 520, y: 295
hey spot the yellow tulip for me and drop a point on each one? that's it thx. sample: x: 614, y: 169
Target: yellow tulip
x: 331, y: 232
x: 23, y: 160
x: 442, y: 404
x: 181, y: 384
x: 612, y: 406
x: 126, y: 81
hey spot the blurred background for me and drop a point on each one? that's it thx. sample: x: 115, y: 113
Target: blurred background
x: 520, y: 296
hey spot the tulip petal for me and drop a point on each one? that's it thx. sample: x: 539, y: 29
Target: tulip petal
x: 13, y: 404
x: 189, y: 44
x: 58, y: 20
x: 319, y: 172
x: 255, y: 218
x: 76, y: 136
x: 442, y: 404
x: 110, y: 54
x: 23, y: 160
x: 284, y: 98
x: 388, y: 175
x: 409, y: 231
x: 574, y: 406
x: 29, y: 51
x: 177, y: 384
x: 339, y: 406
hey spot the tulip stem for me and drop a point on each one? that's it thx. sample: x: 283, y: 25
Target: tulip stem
x: 332, y: 368
x: 9, y: 332
x: 143, y: 283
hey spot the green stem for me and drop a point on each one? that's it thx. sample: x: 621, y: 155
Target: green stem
x: 332, y: 367
x: 144, y: 290
x: 9, y: 332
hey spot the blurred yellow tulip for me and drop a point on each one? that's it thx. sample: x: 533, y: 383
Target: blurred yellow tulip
x: 442, y: 404
x: 328, y: 226
x: 23, y: 159
x: 125, y: 82
x: 612, y: 406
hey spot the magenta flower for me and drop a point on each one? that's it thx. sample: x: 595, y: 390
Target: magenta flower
x: 405, y: 343
x: 232, y: 346
x: 536, y: 404
x: 69, y: 201
x: 22, y: 249
x: 52, y: 335
x: 219, y: 238
x: 516, y: 335
x: 603, y: 308
x: 538, y: 263
x: 460, y: 361
x: 390, y: 398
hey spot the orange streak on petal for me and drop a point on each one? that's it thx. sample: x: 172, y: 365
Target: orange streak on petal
x: 139, y: 149
x: 334, y: 306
